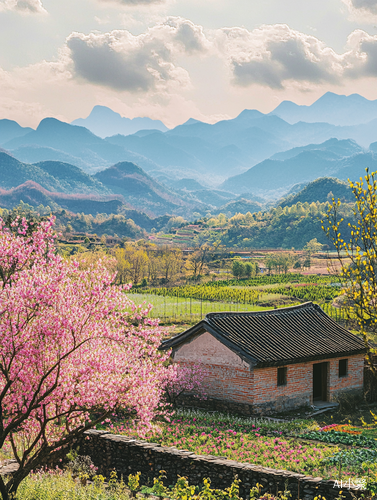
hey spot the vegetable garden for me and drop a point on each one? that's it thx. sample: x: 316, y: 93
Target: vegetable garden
x: 191, y: 303
x: 299, y: 446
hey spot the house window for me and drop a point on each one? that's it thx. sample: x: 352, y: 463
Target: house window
x: 343, y: 368
x: 282, y: 376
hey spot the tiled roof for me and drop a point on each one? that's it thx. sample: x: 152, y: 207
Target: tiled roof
x: 277, y: 336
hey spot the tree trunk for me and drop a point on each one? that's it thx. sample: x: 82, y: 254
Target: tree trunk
x: 3, y: 489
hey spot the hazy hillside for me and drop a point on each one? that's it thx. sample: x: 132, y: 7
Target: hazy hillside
x: 141, y: 190
x: 53, y: 176
x: 72, y: 179
x: 322, y: 190
x: 276, y: 176
x: 208, y: 153
x: 104, y: 122
x: 212, y: 197
x: 186, y: 184
x: 331, y: 108
x: 159, y: 149
x: 240, y: 206
x: 78, y: 142
x: 10, y: 129
x: 13, y: 173
x: 272, y: 177
x: 125, y: 181
x: 35, y: 154
x: 32, y: 193
x: 344, y: 147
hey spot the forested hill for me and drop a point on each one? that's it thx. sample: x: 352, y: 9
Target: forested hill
x: 323, y: 189
x: 289, y: 227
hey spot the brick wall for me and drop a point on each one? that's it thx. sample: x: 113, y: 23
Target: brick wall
x: 231, y: 378
x: 297, y: 392
x: 354, y: 381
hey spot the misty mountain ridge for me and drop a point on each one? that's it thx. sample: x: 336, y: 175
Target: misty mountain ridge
x: 275, y: 177
x: 34, y: 194
x: 330, y: 108
x: 341, y: 148
x: 124, y: 182
x: 60, y: 138
x: 105, y: 122
x: 322, y: 190
x: 53, y: 176
x: 9, y: 129
x: 210, y: 154
x: 206, y: 152
x: 141, y: 191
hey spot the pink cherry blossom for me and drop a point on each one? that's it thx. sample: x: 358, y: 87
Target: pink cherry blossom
x: 74, y: 349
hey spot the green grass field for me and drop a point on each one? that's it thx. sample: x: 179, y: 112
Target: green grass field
x: 189, y: 310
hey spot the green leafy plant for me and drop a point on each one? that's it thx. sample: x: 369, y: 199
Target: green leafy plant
x: 255, y: 491
x: 158, y: 485
x: 98, y: 480
x: 182, y: 490
x: 233, y: 492
x: 134, y: 482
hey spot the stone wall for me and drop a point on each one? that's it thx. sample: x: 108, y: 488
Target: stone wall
x: 128, y: 456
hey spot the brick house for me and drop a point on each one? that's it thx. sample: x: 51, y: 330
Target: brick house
x: 272, y: 360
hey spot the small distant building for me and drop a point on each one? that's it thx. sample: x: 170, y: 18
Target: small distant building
x: 272, y: 360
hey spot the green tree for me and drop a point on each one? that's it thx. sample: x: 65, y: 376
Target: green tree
x: 248, y: 269
x: 312, y: 246
x: 238, y: 268
x: 358, y: 255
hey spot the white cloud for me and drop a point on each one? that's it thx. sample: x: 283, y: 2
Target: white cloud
x: 361, y: 58
x: 175, y: 69
x: 362, y: 10
x: 276, y: 55
x: 142, y: 63
x: 23, y: 6
x: 134, y: 3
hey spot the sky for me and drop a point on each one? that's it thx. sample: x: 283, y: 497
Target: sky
x: 178, y: 59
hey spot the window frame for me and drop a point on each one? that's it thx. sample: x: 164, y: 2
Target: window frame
x: 344, y: 371
x: 282, y: 378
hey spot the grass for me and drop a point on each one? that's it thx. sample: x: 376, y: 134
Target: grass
x: 59, y: 485
x: 370, y: 433
x: 183, y: 309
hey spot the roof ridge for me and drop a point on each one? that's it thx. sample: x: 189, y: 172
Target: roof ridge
x: 305, y: 305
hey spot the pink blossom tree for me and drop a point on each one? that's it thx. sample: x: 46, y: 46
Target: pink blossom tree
x: 73, y: 350
x: 185, y: 379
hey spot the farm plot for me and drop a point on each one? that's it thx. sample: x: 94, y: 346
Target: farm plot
x: 247, y: 440
x: 190, y: 303
x: 186, y: 309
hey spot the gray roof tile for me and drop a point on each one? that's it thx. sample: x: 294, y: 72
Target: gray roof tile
x: 277, y: 336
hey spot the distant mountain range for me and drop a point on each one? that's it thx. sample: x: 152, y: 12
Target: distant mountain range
x: 103, y: 122
x: 10, y: 129
x: 207, y: 153
x: 195, y: 167
x: 62, y: 183
x: 53, y: 176
x: 274, y: 177
x: 141, y: 191
x: 34, y: 194
x: 330, y: 108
